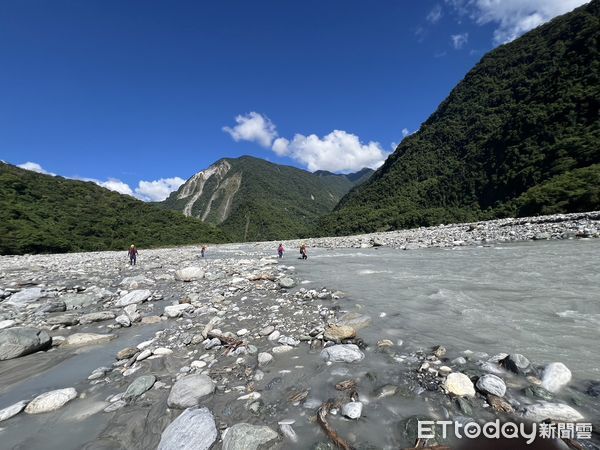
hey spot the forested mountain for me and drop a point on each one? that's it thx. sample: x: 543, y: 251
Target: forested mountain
x: 519, y: 135
x: 253, y: 199
x: 44, y: 214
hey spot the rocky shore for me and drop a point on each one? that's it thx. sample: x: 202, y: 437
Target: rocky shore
x: 233, y: 352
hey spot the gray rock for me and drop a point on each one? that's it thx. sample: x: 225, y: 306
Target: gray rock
x: 50, y: 401
x: 25, y: 296
x: 174, y: 311
x: 20, y: 341
x: 352, y: 410
x: 287, y: 340
x: 188, y: 391
x: 63, y: 319
x: 264, y: 359
x: 134, y: 297
x: 81, y: 339
x: 354, y: 320
x: 267, y: 330
x: 342, y: 353
x: 553, y: 411
x: 139, y: 386
x: 194, y: 429
x: 556, y: 375
x: 12, y: 410
x: 98, y: 316
x: 243, y: 436
x: 123, y: 320
x: 491, y: 384
x: 517, y: 363
x: 132, y: 313
x: 189, y: 274
x: 77, y: 301
x: 286, y: 283
x: 53, y: 306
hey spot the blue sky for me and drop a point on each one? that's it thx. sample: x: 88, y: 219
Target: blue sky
x: 140, y: 95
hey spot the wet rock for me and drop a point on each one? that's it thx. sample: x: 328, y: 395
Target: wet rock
x: 53, y: 306
x: 556, y: 375
x: 498, y: 404
x: 264, y: 359
x: 287, y: 430
x: 174, y: 311
x: 286, y: 283
x: 139, y: 386
x: 287, y: 340
x: 212, y: 343
x: 149, y: 320
x: 386, y: 391
x: 98, y: 316
x: 282, y: 349
x: 81, y: 339
x: 21, y: 341
x: 491, y: 384
x: 267, y: 330
x: 459, y: 384
x: 189, y: 274
x: 354, y: 320
x: 25, y: 296
x: 384, y: 343
x: 188, y: 391
x: 118, y: 404
x: 439, y: 351
x: 553, y: 411
x: 243, y: 436
x: 593, y: 390
x: 516, y: 363
x: 123, y: 320
x: 338, y: 332
x: 127, y: 352
x: 538, y: 392
x: 50, y: 401
x: 134, y: 297
x: 274, y: 336
x: 132, y: 312
x: 77, y: 301
x: 63, y: 319
x: 12, y: 410
x: 193, y: 429
x: 352, y: 410
x: 342, y: 353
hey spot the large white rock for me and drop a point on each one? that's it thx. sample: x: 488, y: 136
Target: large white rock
x: 459, y: 384
x: 133, y: 313
x: 194, y: 429
x: 188, y: 391
x: 189, y: 274
x: 352, y: 410
x: 243, y: 436
x: 134, y: 297
x: 7, y: 323
x: 12, y: 410
x: 80, y: 339
x: 342, y: 353
x: 553, y: 411
x: 25, y: 296
x: 491, y: 384
x: 556, y: 375
x: 174, y: 311
x: 49, y: 401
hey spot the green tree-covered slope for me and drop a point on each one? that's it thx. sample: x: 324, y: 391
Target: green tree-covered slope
x: 253, y: 199
x: 44, y: 214
x: 510, y: 139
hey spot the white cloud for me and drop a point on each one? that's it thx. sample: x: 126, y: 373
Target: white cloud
x: 459, y: 40
x: 157, y: 190
x: 435, y: 14
x: 35, y: 167
x: 405, y: 132
x: 337, y: 152
x: 253, y: 127
x: 513, y: 17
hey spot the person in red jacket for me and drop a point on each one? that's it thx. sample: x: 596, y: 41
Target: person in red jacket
x: 280, y: 250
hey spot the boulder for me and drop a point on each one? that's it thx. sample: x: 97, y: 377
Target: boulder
x: 81, y: 339
x: 132, y: 312
x: 98, y: 316
x: 286, y: 283
x: 342, y: 353
x: 264, y: 359
x: 174, y: 311
x: 139, y: 386
x: 20, y: 341
x: 193, y: 429
x: 127, y: 352
x: 25, y: 296
x: 516, y: 363
x: 243, y: 436
x: 338, y: 332
x: 459, y: 384
x: 189, y: 274
x: 12, y: 410
x: 134, y: 297
x: 123, y: 320
x: 352, y: 410
x: 188, y: 391
x: 267, y: 330
x: 553, y: 411
x: 556, y: 375
x: 63, y: 319
x: 491, y: 384
x: 354, y: 320
x: 77, y: 301
x: 50, y: 401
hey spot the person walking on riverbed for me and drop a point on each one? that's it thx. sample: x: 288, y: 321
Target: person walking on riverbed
x: 280, y: 250
x: 132, y: 255
x: 303, y: 252
x: 203, y: 250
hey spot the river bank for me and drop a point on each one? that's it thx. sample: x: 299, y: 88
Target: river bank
x: 251, y: 348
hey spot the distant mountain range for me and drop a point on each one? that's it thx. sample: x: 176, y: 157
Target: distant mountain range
x: 253, y: 199
x: 46, y: 214
x: 520, y: 135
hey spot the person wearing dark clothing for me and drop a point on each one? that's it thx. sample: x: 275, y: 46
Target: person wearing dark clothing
x: 280, y: 250
x: 203, y: 250
x: 303, y: 252
x: 132, y: 255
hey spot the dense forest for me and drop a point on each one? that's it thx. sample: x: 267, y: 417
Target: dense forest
x: 44, y: 214
x: 519, y: 135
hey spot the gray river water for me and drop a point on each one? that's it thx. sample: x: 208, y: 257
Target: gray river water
x: 540, y: 299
